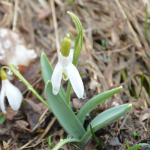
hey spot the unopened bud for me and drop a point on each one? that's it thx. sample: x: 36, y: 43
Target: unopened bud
x: 3, y: 75
x: 65, y: 46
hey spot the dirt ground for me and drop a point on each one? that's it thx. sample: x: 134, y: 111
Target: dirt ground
x: 116, y: 52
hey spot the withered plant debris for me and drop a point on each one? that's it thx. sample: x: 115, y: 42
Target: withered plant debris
x: 115, y: 52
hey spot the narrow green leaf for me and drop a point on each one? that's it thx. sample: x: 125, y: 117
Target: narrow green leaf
x: 135, y: 135
x: 103, y: 44
x: 125, y: 78
x: 142, y: 82
x: 104, y: 119
x: 61, y: 143
x: 95, y: 101
x: 143, y: 144
x: 70, y: 1
x: 128, y: 147
x: 95, y: 137
x: 47, y: 72
x: 63, y: 113
x: 2, y: 119
x: 137, y: 146
x: 49, y: 142
x: 76, y: 21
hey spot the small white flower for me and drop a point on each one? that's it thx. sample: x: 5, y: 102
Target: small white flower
x: 67, y: 70
x: 13, y: 95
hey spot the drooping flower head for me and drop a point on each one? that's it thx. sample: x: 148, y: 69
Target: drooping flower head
x: 66, y: 70
x: 12, y: 93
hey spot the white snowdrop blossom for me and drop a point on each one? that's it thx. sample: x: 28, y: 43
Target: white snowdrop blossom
x: 66, y: 70
x: 12, y: 93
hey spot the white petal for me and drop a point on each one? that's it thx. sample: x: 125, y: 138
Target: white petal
x: 66, y: 73
x: 71, y: 55
x: 2, y: 96
x: 56, y: 78
x: 63, y: 60
x: 13, y: 95
x: 75, y: 80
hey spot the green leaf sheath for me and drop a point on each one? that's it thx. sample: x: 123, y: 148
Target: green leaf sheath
x: 47, y: 72
x: 75, y: 63
x: 64, y: 142
x: 95, y: 101
x: 104, y: 119
x: 79, y: 40
x: 64, y: 114
x: 77, y: 49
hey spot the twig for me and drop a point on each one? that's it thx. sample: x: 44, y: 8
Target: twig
x: 15, y: 16
x: 136, y: 40
x: 55, y: 26
x: 108, y: 51
x: 41, y: 119
x: 48, y: 128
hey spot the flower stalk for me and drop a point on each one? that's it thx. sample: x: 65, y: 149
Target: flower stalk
x: 16, y: 72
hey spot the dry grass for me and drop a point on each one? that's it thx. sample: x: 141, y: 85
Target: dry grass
x: 114, y: 42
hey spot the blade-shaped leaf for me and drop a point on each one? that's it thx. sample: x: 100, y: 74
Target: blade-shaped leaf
x: 95, y: 101
x: 63, y: 113
x: 104, y: 119
x: 137, y: 146
x: 47, y: 72
x: 79, y: 40
x: 61, y: 143
x: 76, y: 21
x: 2, y: 119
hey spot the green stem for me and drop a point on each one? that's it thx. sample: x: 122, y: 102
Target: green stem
x: 11, y: 67
x: 5, y: 67
x: 73, y: 37
x: 68, y: 93
x: 95, y: 138
x: 61, y: 143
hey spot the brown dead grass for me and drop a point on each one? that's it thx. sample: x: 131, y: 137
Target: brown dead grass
x: 120, y: 24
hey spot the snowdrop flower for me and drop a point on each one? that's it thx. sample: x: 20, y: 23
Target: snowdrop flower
x: 12, y: 93
x: 66, y: 70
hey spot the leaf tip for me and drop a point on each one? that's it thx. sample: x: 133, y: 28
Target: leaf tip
x: 128, y: 107
x: 43, y: 54
x: 68, y: 12
x: 120, y: 87
x: 48, y: 82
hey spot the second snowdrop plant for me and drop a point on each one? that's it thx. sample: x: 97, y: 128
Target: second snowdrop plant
x: 12, y: 93
x: 58, y: 101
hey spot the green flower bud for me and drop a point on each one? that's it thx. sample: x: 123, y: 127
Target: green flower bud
x: 3, y: 75
x: 65, y: 46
